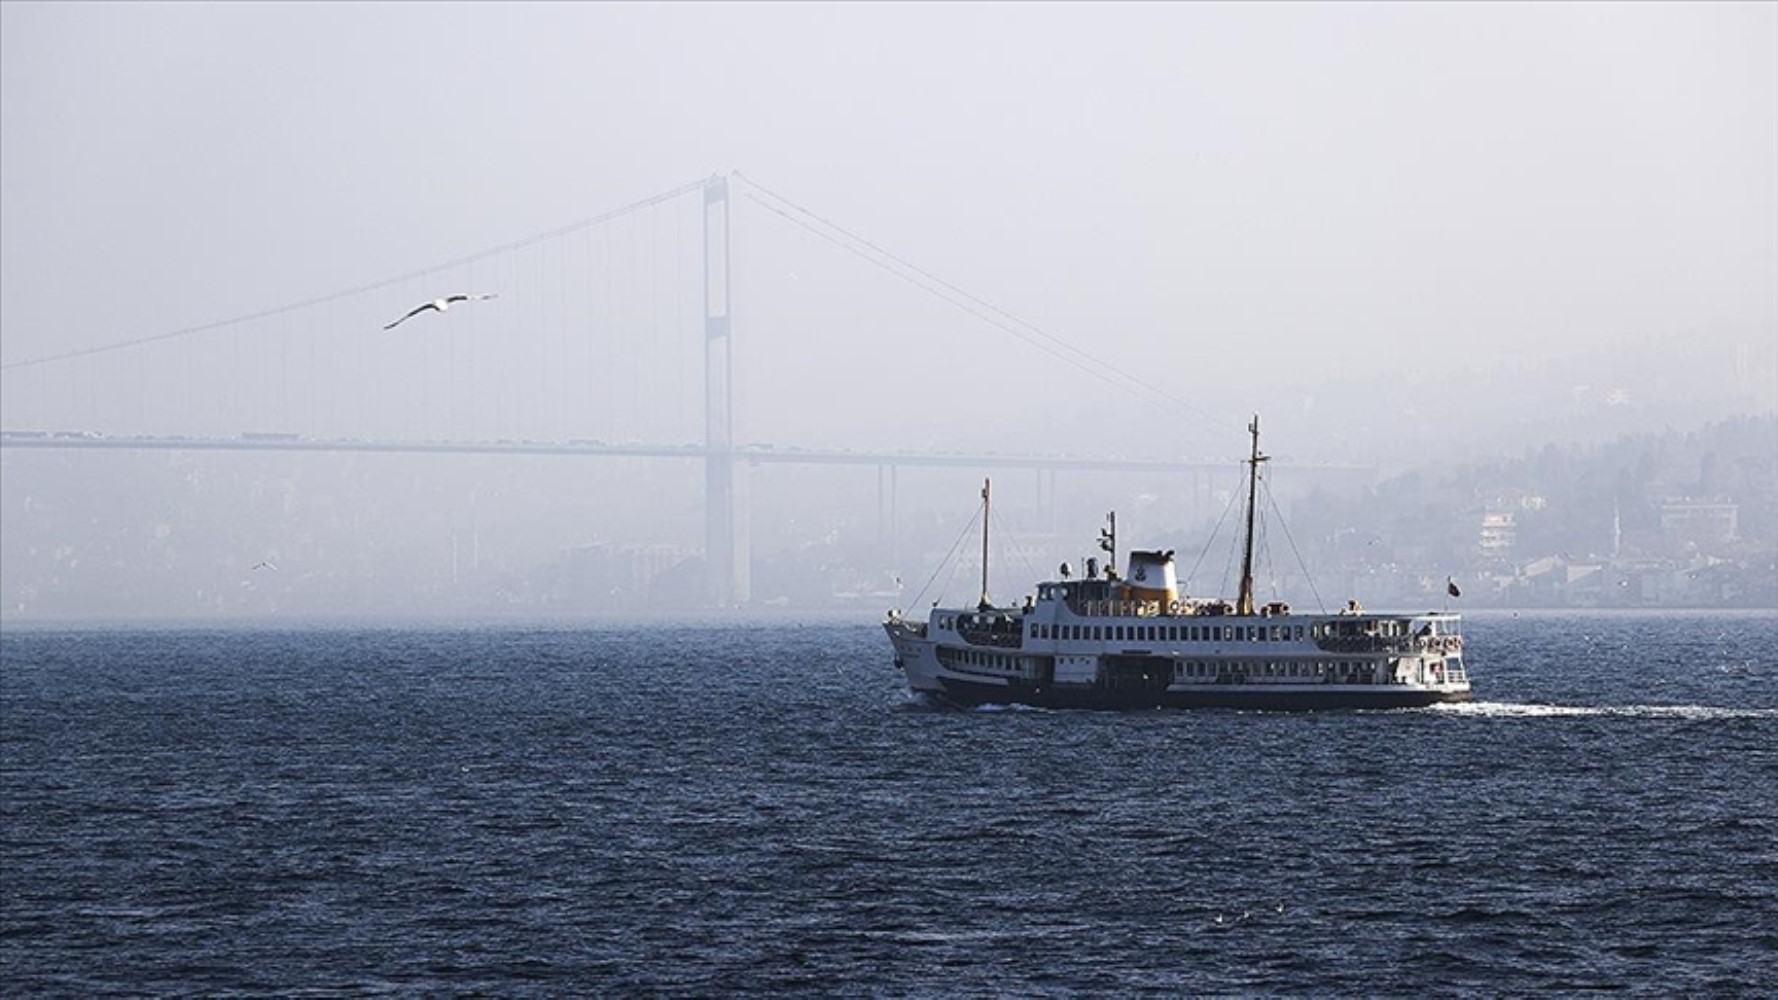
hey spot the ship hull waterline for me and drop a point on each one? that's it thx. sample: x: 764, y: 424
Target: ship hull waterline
x: 955, y: 693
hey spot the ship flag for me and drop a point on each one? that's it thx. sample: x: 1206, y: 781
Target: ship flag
x: 1451, y: 587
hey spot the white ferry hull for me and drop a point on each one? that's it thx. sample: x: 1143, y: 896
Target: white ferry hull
x: 1137, y: 641
x: 1119, y: 681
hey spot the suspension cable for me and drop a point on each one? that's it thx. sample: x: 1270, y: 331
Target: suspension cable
x: 970, y: 303
x: 504, y: 248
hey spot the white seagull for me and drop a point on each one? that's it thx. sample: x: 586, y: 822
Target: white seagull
x: 264, y: 564
x: 439, y: 305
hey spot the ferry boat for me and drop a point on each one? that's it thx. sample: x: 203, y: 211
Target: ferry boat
x: 1135, y: 642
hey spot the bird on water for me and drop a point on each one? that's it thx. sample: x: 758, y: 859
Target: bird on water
x: 438, y: 305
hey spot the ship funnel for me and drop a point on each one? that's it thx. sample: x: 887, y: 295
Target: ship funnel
x: 1152, y: 577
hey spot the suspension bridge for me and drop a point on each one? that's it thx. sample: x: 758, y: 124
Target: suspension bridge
x: 614, y: 336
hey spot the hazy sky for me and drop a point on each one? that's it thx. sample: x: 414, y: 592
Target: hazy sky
x: 1201, y: 193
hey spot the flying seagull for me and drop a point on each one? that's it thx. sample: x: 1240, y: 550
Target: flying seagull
x: 264, y: 564
x: 438, y: 305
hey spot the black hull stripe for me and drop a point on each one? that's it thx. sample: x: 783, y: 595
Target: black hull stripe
x: 966, y: 694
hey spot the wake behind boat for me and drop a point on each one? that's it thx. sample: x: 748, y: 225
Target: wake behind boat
x: 1136, y: 642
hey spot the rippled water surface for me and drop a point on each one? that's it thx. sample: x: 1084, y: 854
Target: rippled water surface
x: 749, y: 809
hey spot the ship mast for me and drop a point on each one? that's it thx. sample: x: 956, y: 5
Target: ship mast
x: 985, y: 603
x: 1244, y: 604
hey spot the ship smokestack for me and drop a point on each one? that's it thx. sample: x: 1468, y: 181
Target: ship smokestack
x: 1152, y: 577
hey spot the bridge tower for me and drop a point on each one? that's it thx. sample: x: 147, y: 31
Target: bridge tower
x: 727, y: 559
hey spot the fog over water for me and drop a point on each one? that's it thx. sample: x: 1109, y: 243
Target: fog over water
x: 1410, y: 236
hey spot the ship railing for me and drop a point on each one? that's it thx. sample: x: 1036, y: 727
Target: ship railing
x: 992, y: 637
x: 1120, y: 609
x: 1405, y: 645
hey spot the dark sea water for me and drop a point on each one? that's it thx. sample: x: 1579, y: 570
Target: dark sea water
x: 719, y: 810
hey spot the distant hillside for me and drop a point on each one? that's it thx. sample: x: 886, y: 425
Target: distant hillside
x: 1640, y: 513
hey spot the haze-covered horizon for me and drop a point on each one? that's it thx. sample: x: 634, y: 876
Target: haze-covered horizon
x: 1409, y: 236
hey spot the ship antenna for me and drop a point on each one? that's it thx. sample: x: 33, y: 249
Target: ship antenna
x: 1108, y: 542
x: 1244, y: 605
x: 985, y: 603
